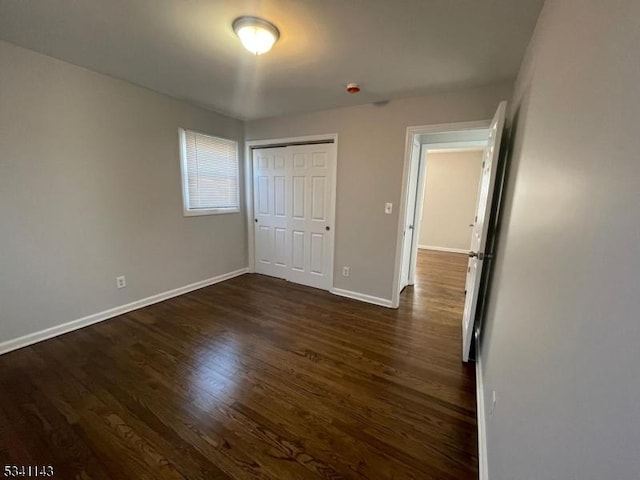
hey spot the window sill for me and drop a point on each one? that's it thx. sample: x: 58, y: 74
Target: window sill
x: 211, y: 211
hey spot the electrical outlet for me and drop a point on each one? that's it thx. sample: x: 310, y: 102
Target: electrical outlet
x: 388, y: 208
x: 121, y: 282
x: 345, y: 271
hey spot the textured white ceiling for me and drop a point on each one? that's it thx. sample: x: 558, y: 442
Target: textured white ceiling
x: 187, y: 48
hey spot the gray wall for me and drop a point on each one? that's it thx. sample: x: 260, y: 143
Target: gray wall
x: 90, y: 189
x: 561, y: 345
x: 371, y: 147
x: 450, y: 198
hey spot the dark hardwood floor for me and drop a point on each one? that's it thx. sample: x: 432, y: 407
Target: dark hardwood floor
x: 253, y: 378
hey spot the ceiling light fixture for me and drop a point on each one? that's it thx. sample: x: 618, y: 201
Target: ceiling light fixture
x: 257, y: 35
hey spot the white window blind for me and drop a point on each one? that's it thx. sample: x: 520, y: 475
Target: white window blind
x: 210, y: 174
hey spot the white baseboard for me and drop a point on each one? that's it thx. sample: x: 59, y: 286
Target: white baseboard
x: 383, y: 302
x: 483, y: 469
x: 36, y: 337
x: 443, y: 249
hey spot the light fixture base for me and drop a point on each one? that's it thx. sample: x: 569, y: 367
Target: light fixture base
x: 256, y: 34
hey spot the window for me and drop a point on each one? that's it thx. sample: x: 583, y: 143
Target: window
x: 209, y: 174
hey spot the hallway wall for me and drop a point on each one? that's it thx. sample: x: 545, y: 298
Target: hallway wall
x: 450, y: 196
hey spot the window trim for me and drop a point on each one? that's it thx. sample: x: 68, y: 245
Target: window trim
x: 196, y: 212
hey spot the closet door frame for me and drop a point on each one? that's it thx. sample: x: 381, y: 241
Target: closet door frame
x: 250, y: 145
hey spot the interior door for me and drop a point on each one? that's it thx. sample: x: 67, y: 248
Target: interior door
x: 271, y: 211
x: 311, y: 219
x: 293, y: 205
x: 477, y: 255
x: 406, y: 274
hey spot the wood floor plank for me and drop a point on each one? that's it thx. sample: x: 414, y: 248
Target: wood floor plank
x: 254, y: 378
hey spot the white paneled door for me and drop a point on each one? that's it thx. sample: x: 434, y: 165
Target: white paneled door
x: 271, y: 211
x: 293, y: 189
x: 408, y: 250
x: 477, y: 255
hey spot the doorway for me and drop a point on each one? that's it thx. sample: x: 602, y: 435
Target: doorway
x: 427, y: 143
x: 291, y: 191
x: 423, y: 144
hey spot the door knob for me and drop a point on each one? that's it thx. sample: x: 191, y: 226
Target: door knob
x: 256, y: 220
x: 480, y: 255
x: 410, y: 227
x: 327, y: 228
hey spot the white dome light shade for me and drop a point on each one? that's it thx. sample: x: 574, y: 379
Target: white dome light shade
x: 257, y: 35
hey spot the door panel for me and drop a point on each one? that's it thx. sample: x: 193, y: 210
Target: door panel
x: 312, y: 173
x: 263, y: 252
x: 299, y: 160
x: 477, y: 256
x: 319, y: 159
x: 298, y: 197
x: 318, y: 198
x: 317, y: 253
x: 280, y: 196
x: 280, y: 246
x: 297, y: 250
x: 406, y: 273
x: 270, y: 210
x: 263, y: 195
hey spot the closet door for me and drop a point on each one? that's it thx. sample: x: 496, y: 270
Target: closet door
x: 311, y: 221
x: 293, y: 191
x: 271, y: 208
